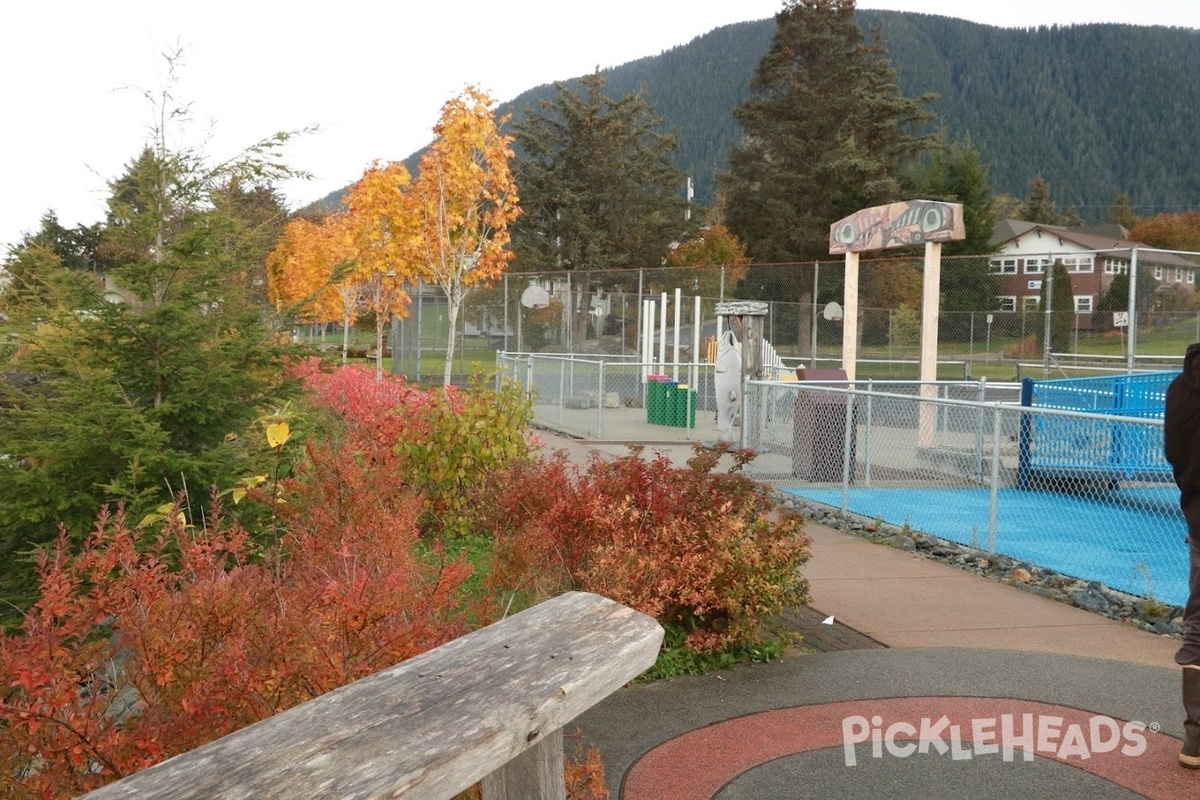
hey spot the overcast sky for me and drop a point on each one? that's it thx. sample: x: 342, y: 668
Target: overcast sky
x: 373, y: 75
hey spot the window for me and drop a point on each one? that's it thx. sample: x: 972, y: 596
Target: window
x: 1158, y: 272
x: 1077, y: 263
x: 1031, y: 302
x: 1036, y: 266
x: 1006, y: 304
x: 1191, y: 276
x: 1003, y: 266
x: 1179, y: 274
x: 1115, y: 266
x: 1083, y: 304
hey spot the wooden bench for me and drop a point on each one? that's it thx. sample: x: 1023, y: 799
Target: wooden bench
x: 490, y: 706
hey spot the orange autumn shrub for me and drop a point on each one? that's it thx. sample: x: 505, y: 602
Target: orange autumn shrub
x: 146, y: 644
x: 700, y: 550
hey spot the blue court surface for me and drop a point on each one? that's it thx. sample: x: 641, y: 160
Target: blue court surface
x: 1131, y: 540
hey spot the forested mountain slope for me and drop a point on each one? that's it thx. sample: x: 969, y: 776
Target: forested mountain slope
x: 1095, y: 109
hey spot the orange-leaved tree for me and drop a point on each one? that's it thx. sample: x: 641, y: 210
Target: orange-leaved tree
x: 466, y: 197
x: 384, y: 226
x: 1170, y: 231
x: 717, y: 256
x: 309, y: 272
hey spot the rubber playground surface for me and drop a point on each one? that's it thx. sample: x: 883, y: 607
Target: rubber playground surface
x: 1131, y: 540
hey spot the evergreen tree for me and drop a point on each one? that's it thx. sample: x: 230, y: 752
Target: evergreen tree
x: 137, y: 387
x: 956, y: 174
x: 1072, y: 219
x: 1122, y: 213
x: 1062, y: 308
x: 825, y: 133
x: 599, y: 188
x: 1116, y: 298
x: 1038, y: 206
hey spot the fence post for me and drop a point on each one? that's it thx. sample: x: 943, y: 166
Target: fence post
x: 867, y: 434
x: 846, y: 440
x: 1025, y: 435
x: 981, y: 398
x: 600, y: 394
x: 994, y: 500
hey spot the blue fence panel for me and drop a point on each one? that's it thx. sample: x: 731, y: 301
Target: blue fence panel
x: 1060, y: 447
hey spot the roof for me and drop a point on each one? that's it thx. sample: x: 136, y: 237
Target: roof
x: 1105, y: 240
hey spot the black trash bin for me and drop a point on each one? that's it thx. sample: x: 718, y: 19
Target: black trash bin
x: 819, y: 438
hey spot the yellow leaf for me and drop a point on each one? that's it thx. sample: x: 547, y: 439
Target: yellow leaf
x: 277, y: 434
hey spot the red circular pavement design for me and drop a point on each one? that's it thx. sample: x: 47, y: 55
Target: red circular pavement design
x: 696, y: 765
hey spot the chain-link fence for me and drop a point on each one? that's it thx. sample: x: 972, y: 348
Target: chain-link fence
x: 1083, y: 494
x: 616, y: 398
x: 991, y: 320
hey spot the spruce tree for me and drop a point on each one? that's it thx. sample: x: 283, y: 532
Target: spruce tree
x: 599, y: 189
x: 1038, y: 206
x: 1062, y: 306
x: 826, y: 131
x: 133, y: 385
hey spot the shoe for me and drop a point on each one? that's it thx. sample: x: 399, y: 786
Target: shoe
x: 1189, y: 756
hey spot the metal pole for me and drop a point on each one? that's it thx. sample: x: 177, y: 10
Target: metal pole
x: 675, y: 353
x: 846, y: 439
x: 816, y: 275
x: 642, y: 306
x: 994, y: 500
x: 867, y: 435
x: 506, y: 312
x: 662, y: 334
x: 1131, y: 359
x: 1046, y: 335
x: 981, y: 398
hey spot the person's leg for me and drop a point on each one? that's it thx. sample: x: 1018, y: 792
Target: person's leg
x: 1188, y: 657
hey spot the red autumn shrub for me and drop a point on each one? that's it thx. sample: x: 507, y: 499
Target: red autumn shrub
x: 443, y: 441
x: 144, y: 646
x: 693, y: 547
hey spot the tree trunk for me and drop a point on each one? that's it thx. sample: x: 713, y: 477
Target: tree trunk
x: 454, y: 297
x: 379, y: 320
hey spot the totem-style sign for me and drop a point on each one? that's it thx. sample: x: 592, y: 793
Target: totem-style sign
x: 896, y: 225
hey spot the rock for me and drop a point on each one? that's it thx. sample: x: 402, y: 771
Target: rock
x: 1020, y: 576
x: 1090, y: 600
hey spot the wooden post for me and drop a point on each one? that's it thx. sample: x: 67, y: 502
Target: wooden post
x: 931, y: 294
x: 850, y: 317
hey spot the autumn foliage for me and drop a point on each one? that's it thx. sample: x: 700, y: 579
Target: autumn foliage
x: 693, y: 547
x: 158, y: 637
x: 148, y: 644
x: 444, y: 441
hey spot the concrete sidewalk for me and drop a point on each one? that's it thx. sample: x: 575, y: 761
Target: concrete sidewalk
x: 954, y: 645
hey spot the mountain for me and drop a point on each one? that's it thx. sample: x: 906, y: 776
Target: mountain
x: 1095, y: 109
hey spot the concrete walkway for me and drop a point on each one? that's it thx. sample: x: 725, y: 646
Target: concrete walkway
x: 1098, y: 700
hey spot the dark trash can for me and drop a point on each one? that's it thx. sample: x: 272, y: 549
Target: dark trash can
x: 819, y: 435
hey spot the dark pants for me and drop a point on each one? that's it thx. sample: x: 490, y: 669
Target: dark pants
x: 1189, y: 652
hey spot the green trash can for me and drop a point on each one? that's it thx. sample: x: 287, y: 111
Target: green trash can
x: 656, y: 400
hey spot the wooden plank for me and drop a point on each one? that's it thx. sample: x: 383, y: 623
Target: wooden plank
x: 430, y: 726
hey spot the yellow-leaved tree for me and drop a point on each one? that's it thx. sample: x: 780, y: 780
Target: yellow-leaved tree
x: 465, y: 197
x: 309, y: 273
x: 384, y: 225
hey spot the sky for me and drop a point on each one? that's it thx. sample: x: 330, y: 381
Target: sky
x: 372, y: 76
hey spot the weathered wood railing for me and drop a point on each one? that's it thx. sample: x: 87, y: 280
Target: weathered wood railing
x: 489, y: 706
